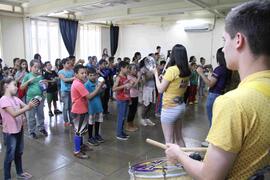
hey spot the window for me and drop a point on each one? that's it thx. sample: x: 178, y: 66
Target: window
x: 48, y: 42
x: 90, y: 41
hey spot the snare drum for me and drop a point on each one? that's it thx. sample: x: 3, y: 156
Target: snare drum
x: 156, y: 169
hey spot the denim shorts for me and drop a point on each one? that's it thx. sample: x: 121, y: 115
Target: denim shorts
x: 172, y: 114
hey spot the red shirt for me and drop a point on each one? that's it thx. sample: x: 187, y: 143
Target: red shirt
x: 123, y: 94
x: 78, y: 97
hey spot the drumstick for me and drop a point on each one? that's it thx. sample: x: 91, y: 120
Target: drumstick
x: 165, y: 67
x: 163, y: 146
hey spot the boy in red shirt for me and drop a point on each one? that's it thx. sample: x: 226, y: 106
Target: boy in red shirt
x: 79, y: 110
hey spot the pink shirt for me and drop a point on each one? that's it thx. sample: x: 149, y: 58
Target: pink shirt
x: 134, y: 91
x: 78, y: 97
x: 10, y: 124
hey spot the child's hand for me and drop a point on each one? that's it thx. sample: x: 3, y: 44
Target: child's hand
x: 128, y: 85
x: 32, y: 104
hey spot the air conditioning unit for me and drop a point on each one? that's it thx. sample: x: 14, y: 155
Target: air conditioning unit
x: 205, y: 27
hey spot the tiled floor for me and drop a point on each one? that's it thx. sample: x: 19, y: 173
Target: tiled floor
x: 51, y: 158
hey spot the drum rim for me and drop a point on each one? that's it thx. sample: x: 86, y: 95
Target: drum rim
x: 156, y: 176
x: 141, y: 175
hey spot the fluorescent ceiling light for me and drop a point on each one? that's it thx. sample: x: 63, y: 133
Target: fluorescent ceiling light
x: 58, y: 13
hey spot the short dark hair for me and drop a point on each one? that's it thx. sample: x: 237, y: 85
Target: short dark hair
x: 253, y: 20
x: 65, y: 60
x: 78, y: 67
x: 102, y: 61
x: 162, y: 63
x: 191, y: 58
x: 36, y: 56
x: 72, y: 57
x: 92, y: 70
x: 193, y: 63
x: 15, y: 59
x: 126, y: 59
x: 158, y: 47
x: 123, y: 64
x: 47, y: 62
x: 111, y: 59
x: 32, y: 62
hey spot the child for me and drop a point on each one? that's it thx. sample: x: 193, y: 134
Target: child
x: 32, y: 81
x: 105, y: 73
x: 67, y: 76
x: 95, y: 109
x: 201, y: 82
x: 159, y: 98
x: 12, y: 110
x: 121, y: 87
x: 193, y: 84
x: 148, y: 95
x: 79, y: 96
x: 52, y: 91
x: 19, y: 77
x: 134, y: 77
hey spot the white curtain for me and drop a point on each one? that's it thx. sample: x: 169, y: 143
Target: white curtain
x: 47, y: 41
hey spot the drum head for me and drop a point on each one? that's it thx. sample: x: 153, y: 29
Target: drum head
x: 156, y: 168
x: 150, y: 63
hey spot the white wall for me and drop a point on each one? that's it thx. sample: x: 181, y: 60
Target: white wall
x: 12, y: 38
x: 145, y: 38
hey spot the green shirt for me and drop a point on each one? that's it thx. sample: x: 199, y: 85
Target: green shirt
x: 194, y: 78
x: 33, y: 88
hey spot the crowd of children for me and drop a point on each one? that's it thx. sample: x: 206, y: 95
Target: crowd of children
x: 85, y: 92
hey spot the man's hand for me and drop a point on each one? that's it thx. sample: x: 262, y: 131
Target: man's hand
x: 172, y: 152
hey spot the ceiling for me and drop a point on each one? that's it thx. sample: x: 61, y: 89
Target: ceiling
x: 126, y: 11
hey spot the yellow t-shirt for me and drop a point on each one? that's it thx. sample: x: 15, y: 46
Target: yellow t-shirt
x: 241, y: 125
x: 177, y: 86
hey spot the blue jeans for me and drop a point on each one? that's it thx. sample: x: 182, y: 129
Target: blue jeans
x: 14, y: 150
x: 35, y: 117
x: 209, y: 105
x: 122, y: 107
x: 66, y: 98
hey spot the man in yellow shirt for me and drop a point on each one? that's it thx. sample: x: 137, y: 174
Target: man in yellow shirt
x: 239, y: 137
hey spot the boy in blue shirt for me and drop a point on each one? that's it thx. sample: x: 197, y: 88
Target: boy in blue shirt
x: 66, y: 76
x: 95, y: 109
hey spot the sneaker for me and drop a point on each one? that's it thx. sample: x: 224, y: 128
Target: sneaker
x: 190, y: 103
x: 24, y: 175
x: 50, y: 113
x: 44, y: 132
x: 99, y: 139
x: 92, y: 141
x: 122, y: 138
x: 157, y: 115
x: 80, y: 155
x: 33, y: 136
x: 126, y: 135
x: 204, y: 144
x: 196, y: 102
x: 149, y: 122
x: 57, y: 112
x: 143, y: 123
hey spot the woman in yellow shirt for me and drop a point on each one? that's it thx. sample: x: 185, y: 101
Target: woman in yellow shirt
x: 173, y: 85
